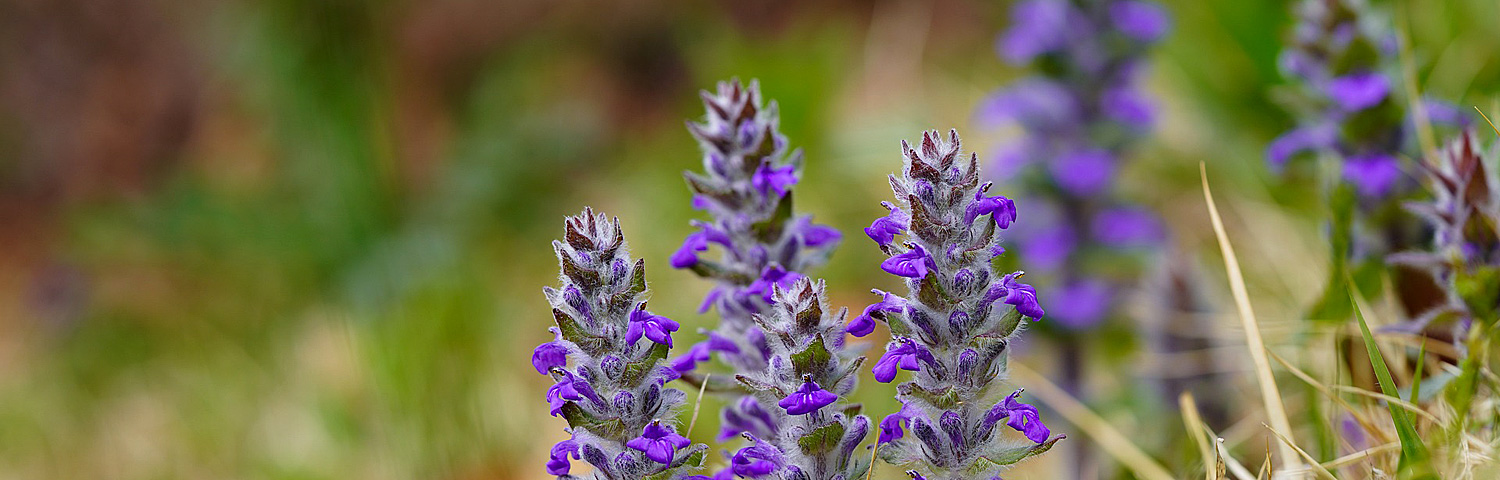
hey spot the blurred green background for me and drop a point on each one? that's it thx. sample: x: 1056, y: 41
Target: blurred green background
x: 306, y: 239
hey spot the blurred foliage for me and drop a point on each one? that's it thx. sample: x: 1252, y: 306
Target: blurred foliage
x: 292, y: 239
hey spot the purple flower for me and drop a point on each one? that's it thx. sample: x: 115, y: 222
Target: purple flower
x: 1000, y: 209
x: 1358, y: 91
x: 1372, y: 175
x: 1084, y: 172
x: 1021, y: 295
x: 1126, y: 105
x: 911, y: 264
x: 1031, y: 102
x: 817, y: 235
x: 1048, y: 248
x: 1080, y: 305
x: 905, y: 356
x: 772, y: 276
x: 655, y: 327
x: 1298, y: 141
x: 689, y: 361
x: 864, y: 324
x: 891, y: 427
x: 757, y: 460
x: 884, y: 229
x: 807, y: 399
x: 559, y: 464
x: 1022, y: 417
x: 1037, y: 27
x: 686, y: 255
x: 550, y: 354
x: 1142, y: 21
x: 768, y: 178
x: 1126, y: 227
x: 565, y: 390
x: 659, y: 442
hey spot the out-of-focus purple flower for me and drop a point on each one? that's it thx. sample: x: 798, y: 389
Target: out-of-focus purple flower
x: 550, y: 354
x: 1081, y: 304
x: 559, y: 464
x: 911, y: 264
x: 1372, y: 175
x: 1358, y: 91
x: 1145, y: 22
x: 1084, y: 172
x: 1020, y: 295
x: 686, y: 255
x: 814, y: 235
x: 884, y: 229
x: 864, y: 324
x: 1037, y: 27
x: 1022, y: 417
x: 904, y: 355
x: 807, y: 399
x: 1299, y: 140
x: 1126, y: 227
x: 659, y: 442
x: 655, y: 327
x: 689, y: 361
x: 1126, y: 105
x: 1047, y: 247
x: 1033, y: 102
x: 770, y: 178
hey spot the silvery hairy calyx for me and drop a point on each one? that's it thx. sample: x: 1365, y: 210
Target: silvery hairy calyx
x: 1352, y: 114
x: 608, y: 357
x: 745, y: 187
x: 954, y: 326
x: 812, y: 435
x: 1080, y: 113
x: 1464, y: 255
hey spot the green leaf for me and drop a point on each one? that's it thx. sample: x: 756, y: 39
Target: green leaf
x: 822, y: 439
x: 635, y: 370
x: 588, y: 279
x: 946, y: 399
x: 812, y: 359
x: 574, y: 332
x: 809, y: 318
x: 1413, y: 452
x: 771, y: 229
x: 1012, y: 456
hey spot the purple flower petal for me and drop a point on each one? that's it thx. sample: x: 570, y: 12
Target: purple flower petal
x: 911, y: 264
x: 1358, y: 91
x: 1145, y: 22
x: 1372, y: 175
x: 559, y: 464
x: 1084, y: 172
x: 807, y: 399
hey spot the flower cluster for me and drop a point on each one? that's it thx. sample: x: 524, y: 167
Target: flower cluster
x: 1078, y: 115
x: 1464, y: 260
x: 746, y: 189
x: 1342, y: 61
x: 953, y: 328
x: 804, y: 432
x: 613, y: 395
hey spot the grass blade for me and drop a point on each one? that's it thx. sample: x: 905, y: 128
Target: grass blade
x: 1270, y: 395
x: 1412, y: 450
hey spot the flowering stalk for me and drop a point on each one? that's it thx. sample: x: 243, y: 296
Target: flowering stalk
x: 1351, y: 114
x: 613, y: 396
x: 746, y: 189
x: 813, y: 435
x: 1080, y: 114
x: 953, y: 328
x: 1464, y: 260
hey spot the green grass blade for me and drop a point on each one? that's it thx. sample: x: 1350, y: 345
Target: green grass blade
x: 1412, y: 450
